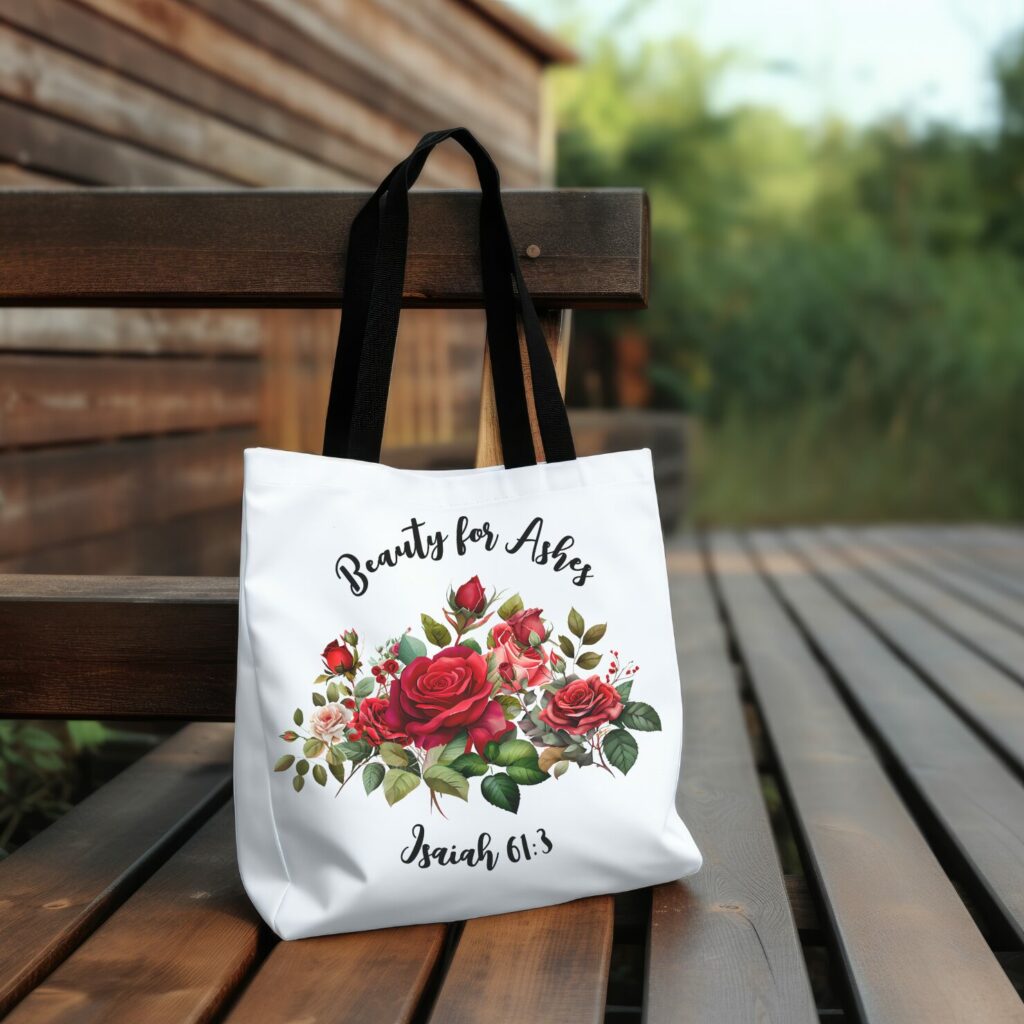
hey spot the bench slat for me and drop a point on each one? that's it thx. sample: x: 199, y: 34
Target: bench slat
x: 735, y: 911
x: 159, y: 647
x: 971, y: 793
x: 547, y: 965
x: 57, y: 887
x: 287, y: 248
x: 174, y: 952
x: 908, y: 946
x: 993, y: 640
x: 983, y: 695
x: 376, y: 977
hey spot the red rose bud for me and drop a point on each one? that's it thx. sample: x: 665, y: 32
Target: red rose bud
x: 470, y: 597
x: 337, y: 657
x: 351, y: 637
x: 524, y: 623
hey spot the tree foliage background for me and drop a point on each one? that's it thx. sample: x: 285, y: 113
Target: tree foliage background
x: 841, y: 310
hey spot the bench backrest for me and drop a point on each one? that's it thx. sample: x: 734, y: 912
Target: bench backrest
x: 159, y: 647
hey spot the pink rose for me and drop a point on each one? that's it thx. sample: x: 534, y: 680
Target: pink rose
x: 518, y: 668
x: 525, y: 622
x: 436, y: 698
x: 330, y: 721
x: 582, y: 705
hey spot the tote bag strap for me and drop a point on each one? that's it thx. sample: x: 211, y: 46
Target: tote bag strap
x: 374, y: 276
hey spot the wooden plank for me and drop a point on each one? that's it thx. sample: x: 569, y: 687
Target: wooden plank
x: 377, y: 977
x: 368, y: 56
x: 174, y: 952
x: 210, y: 44
x: 561, y: 967
x: 99, y: 39
x: 59, y: 494
x: 924, y: 554
x: 970, y: 793
x: 178, y: 332
x: 201, y: 544
x: 56, y: 888
x: 48, y: 144
x: 270, y: 248
x: 993, y: 640
x: 48, y: 401
x: 994, y: 561
x: 987, y: 698
x: 62, y: 84
x: 13, y: 176
x: 159, y: 647
x: 723, y: 945
x: 908, y: 947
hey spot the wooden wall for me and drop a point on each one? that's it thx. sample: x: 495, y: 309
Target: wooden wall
x: 121, y: 430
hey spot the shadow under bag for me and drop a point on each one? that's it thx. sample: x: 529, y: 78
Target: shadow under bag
x: 457, y: 691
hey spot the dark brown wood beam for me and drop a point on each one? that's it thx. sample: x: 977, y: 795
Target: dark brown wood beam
x: 179, y: 247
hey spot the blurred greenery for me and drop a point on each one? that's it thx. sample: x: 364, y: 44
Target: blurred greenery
x: 841, y: 309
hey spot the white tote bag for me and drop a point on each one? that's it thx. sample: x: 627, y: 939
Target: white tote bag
x: 457, y: 691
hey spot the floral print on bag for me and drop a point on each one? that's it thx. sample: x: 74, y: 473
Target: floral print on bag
x: 516, y: 712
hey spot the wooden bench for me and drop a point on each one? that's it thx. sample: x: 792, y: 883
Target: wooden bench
x: 854, y: 725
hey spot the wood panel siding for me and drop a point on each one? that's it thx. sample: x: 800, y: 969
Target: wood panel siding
x: 121, y: 430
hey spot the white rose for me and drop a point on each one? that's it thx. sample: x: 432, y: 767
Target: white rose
x: 330, y: 722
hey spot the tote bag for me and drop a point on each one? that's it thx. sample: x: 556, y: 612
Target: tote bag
x: 457, y: 691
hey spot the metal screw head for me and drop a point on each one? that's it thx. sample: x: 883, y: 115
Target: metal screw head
x: 533, y: 250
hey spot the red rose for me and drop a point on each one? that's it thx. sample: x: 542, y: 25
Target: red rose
x: 337, y: 657
x: 437, y: 698
x: 525, y: 622
x: 369, y: 723
x: 470, y: 597
x: 582, y: 705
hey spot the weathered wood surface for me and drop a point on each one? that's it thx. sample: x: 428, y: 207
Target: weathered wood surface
x: 287, y: 248
x: 789, y: 673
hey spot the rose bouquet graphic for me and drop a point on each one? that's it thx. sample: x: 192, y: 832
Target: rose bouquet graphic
x: 513, y: 706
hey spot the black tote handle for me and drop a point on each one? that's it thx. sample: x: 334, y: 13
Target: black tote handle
x: 375, y: 271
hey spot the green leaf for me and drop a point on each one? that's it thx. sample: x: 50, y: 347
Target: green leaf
x: 393, y: 754
x: 469, y: 765
x: 640, y: 716
x: 320, y: 774
x: 625, y: 688
x: 302, y: 767
x: 559, y: 769
x: 319, y: 699
x: 510, y: 607
x: 282, y: 764
x: 594, y: 634
x: 409, y: 649
x: 322, y: 678
x: 516, y: 752
x: 576, y: 624
x: 354, y: 750
x: 313, y: 747
x: 589, y: 660
x: 472, y: 645
x: 399, y: 784
x: 566, y: 644
x: 453, y: 748
x: 501, y: 791
x: 620, y: 748
x: 297, y: 783
x: 297, y: 717
x: 364, y: 687
x: 526, y: 775
x: 442, y: 779
x: 333, y: 693
x: 337, y: 770
x: 435, y: 632
x: 491, y: 750
x: 512, y: 708
x: 373, y: 776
